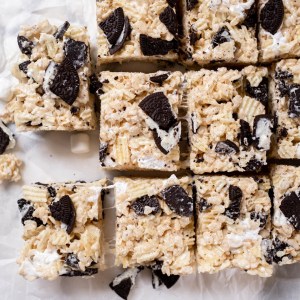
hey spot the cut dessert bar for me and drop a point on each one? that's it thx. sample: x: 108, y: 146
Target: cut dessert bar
x: 285, y: 105
x: 229, y: 128
x: 139, y: 128
x: 62, y: 230
x: 137, y: 30
x: 233, y: 224
x: 220, y: 31
x: 155, y: 224
x: 279, y: 30
x: 286, y: 219
x: 53, y: 72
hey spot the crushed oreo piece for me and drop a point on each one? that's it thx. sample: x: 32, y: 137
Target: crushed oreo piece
x: 259, y: 92
x: 283, y: 78
x: 158, y: 108
x: 245, y: 133
x: 271, y: 16
x: 74, y: 110
x: 51, y: 191
x: 262, y: 131
x: 95, y: 84
x: 235, y: 197
x: 124, y: 35
x: 63, y: 210
x: 77, y: 273
x: 203, y: 205
x: 72, y: 261
x: 59, y: 34
x: 140, y: 203
x: 251, y: 17
x: 156, y: 46
x: 267, y: 250
x: 222, y: 36
x: 124, y: 282
x: 294, y: 101
x: 4, y: 140
x: 172, y: 3
x: 169, y: 19
x: 190, y: 4
x: 24, y: 66
x: 178, y: 200
x: 278, y: 246
x: 102, y: 152
x: 194, y: 37
x: 76, y: 51
x: 290, y: 207
x: 66, y: 82
x: 25, y: 45
x: 226, y: 147
x: 23, y: 204
x: 27, y: 210
x: 253, y: 165
x: 259, y: 216
x: 159, y: 79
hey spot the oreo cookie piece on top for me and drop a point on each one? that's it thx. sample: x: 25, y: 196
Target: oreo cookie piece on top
x: 76, y: 51
x: 140, y: 204
x: 235, y: 197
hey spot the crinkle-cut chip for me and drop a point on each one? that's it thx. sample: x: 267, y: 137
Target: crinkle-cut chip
x: 24, y: 66
x: 76, y: 51
x: 178, y: 200
x: 63, y: 210
x: 222, y: 36
x: 226, y: 147
x: 25, y: 45
x: 122, y: 150
x: 254, y: 164
x: 159, y: 79
x: 271, y: 15
x: 250, y: 108
x: 113, y: 25
x: 203, y: 205
x: 245, y: 133
x: 140, y: 204
x: 169, y: 19
x: 259, y: 216
x: 155, y: 46
x: 294, y: 101
x: 35, y: 193
x: 235, y: 197
x: 66, y: 82
x: 290, y: 207
x: 190, y: 4
x: 251, y: 16
x: 158, y: 108
x: 259, y: 92
x: 61, y: 30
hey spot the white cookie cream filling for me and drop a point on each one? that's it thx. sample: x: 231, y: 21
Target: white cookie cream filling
x: 263, y: 133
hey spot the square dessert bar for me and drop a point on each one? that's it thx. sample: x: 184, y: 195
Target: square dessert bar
x: 139, y: 127
x: 137, y: 30
x: 229, y: 128
x: 233, y: 224
x: 285, y: 105
x: 155, y: 224
x: 53, y: 72
x: 62, y: 230
x: 279, y: 30
x: 286, y: 219
x: 220, y: 31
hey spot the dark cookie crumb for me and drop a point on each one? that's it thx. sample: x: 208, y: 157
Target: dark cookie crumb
x: 4, y: 140
x: 260, y: 92
x: 226, y: 147
x: 169, y: 19
x: 24, y: 66
x: 203, y: 205
x: 79, y: 273
x: 51, y: 191
x: 74, y: 110
x: 251, y: 17
x: 159, y: 79
x: 25, y: 45
x: 27, y: 211
x: 235, y: 197
x: 259, y: 216
x: 294, y: 101
x: 194, y: 37
x: 140, y: 203
x: 222, y: 36
x: 77, y: 52
x: 103, y: 152
x: 190, y: 4
x: 59, y: 34
x: 278, y: 246
x: 245, y: 133
x: 95, y: 84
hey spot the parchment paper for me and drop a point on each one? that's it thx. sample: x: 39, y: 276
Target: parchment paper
x: 48, y: 157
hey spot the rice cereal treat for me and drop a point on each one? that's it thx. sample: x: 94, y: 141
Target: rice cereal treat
x: 137, y: 30
x: 229, y: 128
x: 279, y: 30
x: 62, y: 230
x: 286, y: 219
x: 220, y: 31
x: 155, y: 224
x: 233, y: 224
x: 53, y: 72
x: 285, y: 105
x: 139, y: 128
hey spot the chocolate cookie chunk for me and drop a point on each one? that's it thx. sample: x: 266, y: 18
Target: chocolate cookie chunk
x: 77, y: 52
x: 169, y: 19
x: 245, y: 133
x: 290, y: 207
x: 259, y: 92
x: 140, y: 203
x: 194, y: 37
x: 95, y: 84
x: 226, y: 147
x: 294, y: 101
x: 24, y: 66
x: 79, y: 273
x: 27, y: 210
x: 178, y: 200
x: 271, y: 16
x: 222, y: 36
x: 278, y: 246
x: 159, y: 79
x: 203, y: 205
x: 59, y: 34
x: 251, y: 17
x: 259, y: 216
x: 235, y: 197
x: 158, y: 108
x: 253, y: 165
x: 155, y: 46
x: 4, y: 140
x: 283, y: 78
x: 25, y: 45
x: 52, y: 192
x: 103, y: 152
x: 66, y: 82
x: 190, y: 4
x: 64, y: 211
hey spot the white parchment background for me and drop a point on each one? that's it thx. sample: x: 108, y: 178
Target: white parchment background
x: 48, y: 157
